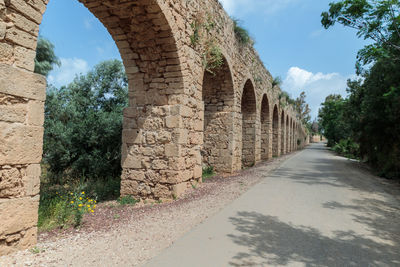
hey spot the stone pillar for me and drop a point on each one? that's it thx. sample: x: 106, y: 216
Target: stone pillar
x: 155, y: 160
x: 22, y: 96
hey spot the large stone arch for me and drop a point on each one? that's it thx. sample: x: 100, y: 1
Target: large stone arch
x: 275, y: 132
x: 266, y: 130
x: 248, y: 110
x: 283, y: 132
x: 218, y: 100
x: 154, y: 137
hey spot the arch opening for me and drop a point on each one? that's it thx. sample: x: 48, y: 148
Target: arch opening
x: 152, y: 124
x: 248, y: 109
x: 265, y: 129
x: 275, y: 132
x: 287, y: 150
x: 283, y: 132
x: 218, y: 99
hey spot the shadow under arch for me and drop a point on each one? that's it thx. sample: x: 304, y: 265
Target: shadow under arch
x: 275, y: 132
x: 287, y: 150
x: 248, y: 110
x: 283, y: 130
x: 218, y: 100
x: 265, y: 128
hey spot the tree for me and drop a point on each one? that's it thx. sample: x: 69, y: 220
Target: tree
x: 375, y: 20
x: 303, y: 108
x: 45, y: 57
x: 371, y: 113
x: 331, y: 119
x: 83, y: 124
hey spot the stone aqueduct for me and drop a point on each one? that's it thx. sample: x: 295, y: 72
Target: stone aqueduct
x: 179, y: 118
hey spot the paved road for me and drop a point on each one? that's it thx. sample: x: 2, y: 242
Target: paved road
x: 317, y: 209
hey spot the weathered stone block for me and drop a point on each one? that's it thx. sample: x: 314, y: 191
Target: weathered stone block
x: 172, y: 150
x: 6, y: 54
x: 18, y: 214
x: 35, y: 113
x: 173, y: 122
x: 179, y: 189
x: 20, y: 37
x: 18, y: 241
x: 20, y: 144
x: 11, y: 184
x: 25, y: 58
x: 26, y: 9
x: 32, y: 180
x: 132, y: 136
x: 13, y: 113
x: 17, y: 82
x: 131, y: 162
x: 2, y: 30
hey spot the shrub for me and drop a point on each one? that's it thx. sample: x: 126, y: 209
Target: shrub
x: 242, y: 35
x: 347, y: 148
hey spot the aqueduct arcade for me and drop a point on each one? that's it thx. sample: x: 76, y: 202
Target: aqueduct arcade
x: 181, y: 116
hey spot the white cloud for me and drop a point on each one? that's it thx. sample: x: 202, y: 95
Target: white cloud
x: 88, y: 23
x: 316, y: 85
x: 70, y: 67
x: 248, y: 6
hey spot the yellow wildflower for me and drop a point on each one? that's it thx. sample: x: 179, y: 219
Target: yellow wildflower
x: 80, y: 198
x: 80, y: 205
x: 83, y: 192
x: 71, y: 194
x: 92, y: 211
x: 88, y: 206
x: 72, y: 202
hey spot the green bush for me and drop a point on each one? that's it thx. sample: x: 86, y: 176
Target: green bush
x: 242, y: 35
x: 347, y: 148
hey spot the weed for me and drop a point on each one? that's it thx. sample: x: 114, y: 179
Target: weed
x: 242, y: 35
x: 276, y: 81
x: 208, y: 172
x: 116, y: 216
x: 213, y: 58
x: 36, y: 250
x: 127, y: 200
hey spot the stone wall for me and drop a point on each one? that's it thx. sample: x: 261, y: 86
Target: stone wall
x: 179, y: 117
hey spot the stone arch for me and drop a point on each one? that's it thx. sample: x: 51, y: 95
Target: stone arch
x: 275, y: 132
x: 287, y: 150
x: 248, y: 110
x: 292, y: 137
x: 218, y: 100
x: 283, y: 132
x: 265, y: 129
x: 153, y: 131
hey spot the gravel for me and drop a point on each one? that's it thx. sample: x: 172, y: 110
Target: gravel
x: 131, y: 235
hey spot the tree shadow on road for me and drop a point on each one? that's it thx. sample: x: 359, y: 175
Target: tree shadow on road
x: 379, y: 216
x: 267, y: 241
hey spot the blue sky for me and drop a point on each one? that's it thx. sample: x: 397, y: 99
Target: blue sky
x: 288, y: 34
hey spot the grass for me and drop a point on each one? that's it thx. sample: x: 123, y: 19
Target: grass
x: 55, y: 209
x: 208, y: 172
x: 127, y: 200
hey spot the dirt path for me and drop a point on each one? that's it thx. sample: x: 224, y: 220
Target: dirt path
x: 130, y: 236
